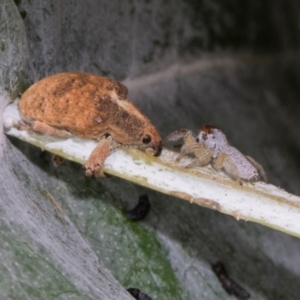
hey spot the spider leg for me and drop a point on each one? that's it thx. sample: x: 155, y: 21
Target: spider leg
x: 218, y: 162
x: 203, y: 156
x: 259, y: 168
x: 185, y: 149
x: 224, y: 162
x: 176, y: 135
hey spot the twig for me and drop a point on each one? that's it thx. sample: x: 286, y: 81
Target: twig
x: 260, y: 202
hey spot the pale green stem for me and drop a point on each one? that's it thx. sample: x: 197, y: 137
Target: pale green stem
x: 260, y: 202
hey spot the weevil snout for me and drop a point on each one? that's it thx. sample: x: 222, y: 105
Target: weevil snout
x: 151, y: 140
x: 154, y: 149
x: 158, y: 149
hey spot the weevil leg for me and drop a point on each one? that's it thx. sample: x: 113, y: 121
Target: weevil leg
x: 259, y: 168
x: 23, y: 125
x: 176, y: 135
x: 96, y: 160
x: 42, y: 128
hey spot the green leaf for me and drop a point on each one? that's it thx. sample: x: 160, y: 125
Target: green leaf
x: 64, y: 236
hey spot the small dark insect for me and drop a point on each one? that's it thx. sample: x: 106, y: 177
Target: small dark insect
x: 57, y: 160
x: 141, y: 210
x: 137, y: 294
x: 229, y: 285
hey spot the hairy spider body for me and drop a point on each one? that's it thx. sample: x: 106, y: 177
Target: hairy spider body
x: 211, y: 146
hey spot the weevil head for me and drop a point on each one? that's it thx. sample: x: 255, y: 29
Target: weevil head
x: 213, y: 138
x: 151, y: 141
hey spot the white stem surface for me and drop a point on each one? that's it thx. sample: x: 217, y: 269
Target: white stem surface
x: 260, y: 202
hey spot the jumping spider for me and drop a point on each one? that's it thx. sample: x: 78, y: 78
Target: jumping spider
x: 211, y: 146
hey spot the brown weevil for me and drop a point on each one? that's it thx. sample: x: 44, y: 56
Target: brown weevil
x: 89, y: 107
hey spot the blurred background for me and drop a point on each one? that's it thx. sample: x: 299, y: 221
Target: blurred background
x: 232, y: 64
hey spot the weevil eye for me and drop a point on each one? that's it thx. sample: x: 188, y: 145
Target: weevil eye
x: 146, y: 139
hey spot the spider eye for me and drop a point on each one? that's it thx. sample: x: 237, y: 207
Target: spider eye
x: 197, y: 140
x: 204, y: 136
x: 146, y: 139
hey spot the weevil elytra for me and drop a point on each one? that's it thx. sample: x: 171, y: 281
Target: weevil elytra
x: 89, y: 107
x: 211, y: 146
